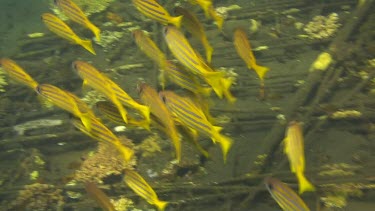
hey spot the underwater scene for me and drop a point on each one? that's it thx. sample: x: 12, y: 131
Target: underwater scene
x: 187, y: 105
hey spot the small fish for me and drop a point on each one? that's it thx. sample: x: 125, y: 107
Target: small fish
x: 204, y: 4
x: 58, y: 27
x: 155, y: 11
x: 293, y: 148
x: 65, y: 101
x: 209, y: 11
x: 17, y: 73
x: 194, y: 118
x: 287, y: 199
x: 178, y: 75
x: 143, y: 189
x: 150, y: 97
x: 192, y: 24
x: 99, y: 196
x: 100, y: 132
x: 92, y: 77
x: 149, y: 47
x: 242, y: 45
x: 182, y: 50
x: 71, y: 10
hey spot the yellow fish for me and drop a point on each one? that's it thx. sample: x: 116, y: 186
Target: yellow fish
x: 194, y: 118
x: 150, y: 97
x: 293, y: 148
x: 243, y: 48
x: 149, y: 47
x: 155, y: 11
x: 100, y: 82
x: 184, y: 53
x: 92, y: 77
x: 210, y: 11
x: 192, y: 24
x: 67, y: 102
x: 284, y: 195
x: 75, y: 13
x: 17, y: 73
x: 58, y: 27
x: 99, y: 196
x: 143, y: 189
x: 100, y: 132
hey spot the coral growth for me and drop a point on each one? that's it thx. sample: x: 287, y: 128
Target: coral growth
x: 38, y: 197
x: 150, y: 146
x: 322, y: 27
x: 104, y: 162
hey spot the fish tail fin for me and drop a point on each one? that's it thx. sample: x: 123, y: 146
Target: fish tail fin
x: 261, y: 71
x: 227, y: 83
x: 225, y: 144
x: 145, y: 110
x: 87, y: 44
x: 176, y: 21
x: 205, y: 91
x: 125, y: 151
x: 304, y: 184
x: 160, y: 204
x: 214, y: 79
x: 95, y: 30
x: 207, y: 5
x: 208, y: 48
x: 177, y: 143
x: 228, y: 95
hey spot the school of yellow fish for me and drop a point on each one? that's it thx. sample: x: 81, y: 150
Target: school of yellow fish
x: 164, y: 110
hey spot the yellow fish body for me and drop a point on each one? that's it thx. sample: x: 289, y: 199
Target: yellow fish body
x: 143, y: 189
x: 284, y: 195
x: 100, y: 132
x: 155, y: 11
x: 194, y: 118
x: 65, y: 101
x: 17, y: 73
x: 151, y: 98
x: 244, y: 50
x: 210, y: 11
x: 75, y: 13
x: 92, y: 77
x: 293, y: 148
x: 182, y: 50
x: 149, y: 47
x: 58, y: 27
x: 192, y: 24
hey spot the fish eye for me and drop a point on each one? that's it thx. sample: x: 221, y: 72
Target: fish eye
x: 165, y: 30
x: 74, y: 65
x: 38, y: 89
